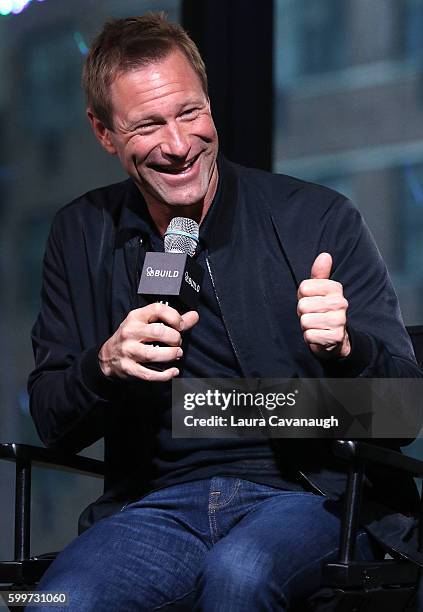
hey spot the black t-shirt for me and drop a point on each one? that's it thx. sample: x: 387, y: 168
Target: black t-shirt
x: 208, y: 353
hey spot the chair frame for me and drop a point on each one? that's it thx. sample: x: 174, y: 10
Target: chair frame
x: 25, y: 569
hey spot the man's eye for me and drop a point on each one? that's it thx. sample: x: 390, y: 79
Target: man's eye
x: 145, y: 127
x: 191, y: 112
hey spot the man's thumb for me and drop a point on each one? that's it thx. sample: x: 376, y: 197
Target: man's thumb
x: 322, y: 266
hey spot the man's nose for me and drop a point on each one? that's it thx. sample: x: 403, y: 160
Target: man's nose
x: 176, y: 141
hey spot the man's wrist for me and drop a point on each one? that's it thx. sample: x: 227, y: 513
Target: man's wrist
x: 104, y: 361
x: 359, y: 358
x: 345, y: 347
x: 94, y: 377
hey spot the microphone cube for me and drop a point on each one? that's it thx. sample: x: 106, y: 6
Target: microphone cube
x: 171, y: 277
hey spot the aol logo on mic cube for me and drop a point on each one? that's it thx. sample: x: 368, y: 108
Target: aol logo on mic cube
x: 172, y: 277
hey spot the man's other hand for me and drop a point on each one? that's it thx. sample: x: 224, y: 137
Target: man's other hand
x: 322, y: 309
x: 128, y: 352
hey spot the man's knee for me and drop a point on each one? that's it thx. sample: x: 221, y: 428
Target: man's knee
x: 84, y: 586
x: 239, y: 574
x: 81, y: 595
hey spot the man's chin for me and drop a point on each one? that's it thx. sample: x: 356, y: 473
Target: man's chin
x: 178, y: 200
x: 184, y: 203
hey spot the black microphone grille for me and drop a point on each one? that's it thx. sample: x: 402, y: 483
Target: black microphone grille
x: 181, y: 236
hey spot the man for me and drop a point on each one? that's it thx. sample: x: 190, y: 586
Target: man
x: 203, y: 524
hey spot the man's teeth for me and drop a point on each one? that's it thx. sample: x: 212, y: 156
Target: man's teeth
x: 177, y: 170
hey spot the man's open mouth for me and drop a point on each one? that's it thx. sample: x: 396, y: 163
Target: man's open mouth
x: 172, y: 169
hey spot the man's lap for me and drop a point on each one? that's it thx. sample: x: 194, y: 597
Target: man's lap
x: 201, y: 541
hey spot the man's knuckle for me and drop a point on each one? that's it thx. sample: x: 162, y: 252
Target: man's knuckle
x: 147, y: 375
x: 301, y: 306
x: 339, y: 336
x: 156, y: 329
x: 308, y: 335
x: 304, y: 321
x: 147, y: 352
x: 126, y: 367
x: 338, y: 317
x: 159, y: 308
x: 174, y: 339
x: 124, y: 332
x: 131, y: 317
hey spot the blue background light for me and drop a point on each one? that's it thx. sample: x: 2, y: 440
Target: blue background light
x: 14, y: 6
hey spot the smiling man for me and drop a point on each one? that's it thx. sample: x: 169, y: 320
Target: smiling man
x: 164, y: 136
x: 293, y: 286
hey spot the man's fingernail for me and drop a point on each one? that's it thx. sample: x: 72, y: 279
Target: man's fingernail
x: 179, y: 353
x: 182, y: 325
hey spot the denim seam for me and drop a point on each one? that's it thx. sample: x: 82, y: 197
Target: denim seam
x: 216, y: 506
x: 307, y: 566
x: 212, y: 519
x: 213, y: 526
x: 172, y: 601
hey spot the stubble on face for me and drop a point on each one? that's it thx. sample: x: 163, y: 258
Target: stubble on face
x: 165, y: 137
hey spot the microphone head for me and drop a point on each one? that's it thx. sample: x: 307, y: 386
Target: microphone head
x: 181, y: 236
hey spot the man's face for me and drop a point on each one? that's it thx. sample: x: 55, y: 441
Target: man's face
x: 163, y: 132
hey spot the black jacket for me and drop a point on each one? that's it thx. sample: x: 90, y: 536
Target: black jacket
x: 265, y: 236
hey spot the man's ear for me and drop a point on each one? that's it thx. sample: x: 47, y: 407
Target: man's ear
x: 102, y: 133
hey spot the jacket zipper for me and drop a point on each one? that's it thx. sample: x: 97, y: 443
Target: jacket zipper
x: 224, y: 322
x: 142, y: 247
x: 221, y: 312
x: 311, y: 483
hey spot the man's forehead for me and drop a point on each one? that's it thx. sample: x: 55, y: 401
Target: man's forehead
x: 156, y: 85
x: 174, y: 66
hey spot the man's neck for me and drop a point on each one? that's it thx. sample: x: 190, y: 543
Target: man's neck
x: 162, y: 213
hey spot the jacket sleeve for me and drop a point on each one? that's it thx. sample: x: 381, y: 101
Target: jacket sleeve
x: 68, y: 392
x: 380, y: 343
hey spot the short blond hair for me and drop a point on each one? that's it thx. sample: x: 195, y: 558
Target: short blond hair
x: 128, y: 44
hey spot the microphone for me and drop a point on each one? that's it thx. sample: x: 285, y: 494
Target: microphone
x: 174, y: 277
x: 181, y: 236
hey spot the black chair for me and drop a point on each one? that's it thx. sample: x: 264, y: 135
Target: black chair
x: 368, y: 586
x: 25, y: 570
x: 388, y: 585
x: 362, y: 586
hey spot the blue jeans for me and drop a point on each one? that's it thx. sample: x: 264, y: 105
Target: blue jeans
x: 218, y: 545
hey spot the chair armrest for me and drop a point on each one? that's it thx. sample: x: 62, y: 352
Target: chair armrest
x: 351, y: 449
x: 357, y: 454
x: 46, y: 457
x: 25, y: 456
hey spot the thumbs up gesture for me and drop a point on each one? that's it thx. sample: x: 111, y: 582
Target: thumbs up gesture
x: 322, y: 310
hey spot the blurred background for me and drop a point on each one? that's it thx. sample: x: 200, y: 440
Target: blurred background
x: 327, y: 90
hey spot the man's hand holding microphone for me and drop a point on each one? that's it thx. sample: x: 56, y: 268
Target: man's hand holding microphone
x: 148, y: 342
x: 133, y: 346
